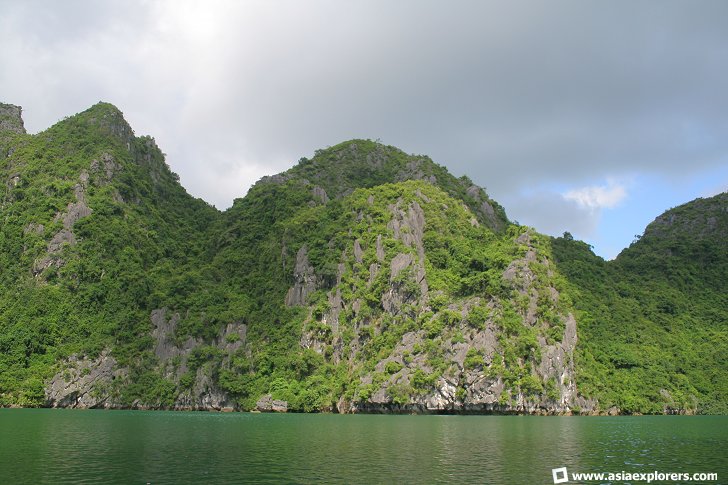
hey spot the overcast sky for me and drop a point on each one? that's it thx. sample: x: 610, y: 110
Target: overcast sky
x: 591, y: 117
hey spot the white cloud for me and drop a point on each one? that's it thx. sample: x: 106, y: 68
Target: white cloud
x: 518, y: 96
x: 551, y: 213
x: 598, y: 196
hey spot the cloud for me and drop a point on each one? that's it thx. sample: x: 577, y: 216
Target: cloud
x: 520, y: 96
x: 554, y: 214
x: 578, y: 210
x: 598, y: 196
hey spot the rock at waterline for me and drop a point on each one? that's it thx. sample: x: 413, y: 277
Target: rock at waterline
x: 267, y: 404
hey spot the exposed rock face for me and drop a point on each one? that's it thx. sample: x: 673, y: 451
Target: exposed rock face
x: 75, y: 210
x: 267, y: 404
x: 468, y: 385
x: 100, y: 173
x: 93, y: 383
x: 409, y: 226
x: 204, y: 395
x: 165, y: 348
x: 320, y: 194
x: 277, y: 179
x: 11, y: 119
x: 104, y: 168
x: 358, y: 251
x: 112, y: 120
x: 34, y: 228
x: 444, y: 364
x: 380, y: 249
x: 85, y: 383
x: 173, y: 358
x: 305, y: 281
x: 484, y: 208
x: 389, y: 315
x: 414, y: 171
x: 65, y: 237
x: 707, y: 218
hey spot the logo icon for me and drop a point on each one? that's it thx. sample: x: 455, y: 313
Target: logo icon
x: 560, y: 475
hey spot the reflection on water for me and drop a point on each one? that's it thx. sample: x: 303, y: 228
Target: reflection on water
x: 66, y: 446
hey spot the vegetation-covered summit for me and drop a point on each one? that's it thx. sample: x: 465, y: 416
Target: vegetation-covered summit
x: 363, y: 279
x: 339, y: 170
x: 655, y: 320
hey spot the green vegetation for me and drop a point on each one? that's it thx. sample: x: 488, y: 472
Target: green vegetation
x: 123, y: 259
x: 654, y: 322
x: 360, y: 273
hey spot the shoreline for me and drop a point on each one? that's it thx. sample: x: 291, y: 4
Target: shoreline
x: 607, y: 413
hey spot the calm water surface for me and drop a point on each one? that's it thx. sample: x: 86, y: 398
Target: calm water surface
x: 137, y: 447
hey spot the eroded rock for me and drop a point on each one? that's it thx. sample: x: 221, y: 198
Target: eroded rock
x: 267, y: 404
x: 305, y: 280
x: 85, y: 383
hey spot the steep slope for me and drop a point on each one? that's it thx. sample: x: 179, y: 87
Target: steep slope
x: 361, y: 280
x: 686, y: 248
x: 95, y: 229
x: 654, y: 322
x: 11, y: 121
x: 394, y: 298
x: 337, y: 171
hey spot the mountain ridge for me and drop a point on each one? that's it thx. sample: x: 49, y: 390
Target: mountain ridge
x: 361, y: 280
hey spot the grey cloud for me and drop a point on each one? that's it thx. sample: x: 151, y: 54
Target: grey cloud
x: 553, y: 214
x: 514, y: 94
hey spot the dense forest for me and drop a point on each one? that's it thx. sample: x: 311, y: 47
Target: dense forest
x: 363, y: 279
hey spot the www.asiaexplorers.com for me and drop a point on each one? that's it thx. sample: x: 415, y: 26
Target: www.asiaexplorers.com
x: 561, y: 475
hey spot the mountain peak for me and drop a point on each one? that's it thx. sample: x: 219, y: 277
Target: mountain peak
x: 358, y: 163
x: 11, y: 118
x: 686, y: 240
x: 110, y: 119
x: 105, y: 108
x: 698, y: 219
x: 363, y: 279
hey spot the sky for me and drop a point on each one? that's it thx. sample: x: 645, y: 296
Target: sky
x: 587, y: 117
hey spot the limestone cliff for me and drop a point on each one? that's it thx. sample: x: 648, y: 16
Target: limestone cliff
x: 11, y: 119
x: 98, y: 383
x: 363, y: 279
x: 477, y: 353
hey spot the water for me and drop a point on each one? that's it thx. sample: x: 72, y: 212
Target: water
x: 137, y: 447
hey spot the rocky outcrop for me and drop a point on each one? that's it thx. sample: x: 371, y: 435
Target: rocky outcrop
x: 174, y: 361
x: 65, y: 236
x: 101, y: 171
x: 110, y: 119
x: 320, y: 194
x: 471, y: 377
x: 408, y: 282
x: 449, y: 363
x: 85, y: 383
x: 386, y: 302
x: 415, y: 170
x: 305, y: 280
x: 205, y: 395
x: 484, y: 208
x: 267, y: 404
x: 703, y: 219
x: 166, y: 348
x: 11, y: 119
x: 104, y: 168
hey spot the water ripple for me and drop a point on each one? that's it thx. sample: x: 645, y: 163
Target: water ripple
x: 79, y: 447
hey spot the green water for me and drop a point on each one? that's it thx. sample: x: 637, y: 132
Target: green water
x: 136, y: 447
